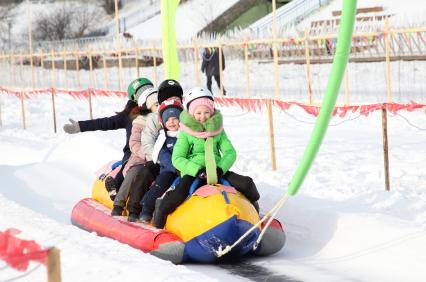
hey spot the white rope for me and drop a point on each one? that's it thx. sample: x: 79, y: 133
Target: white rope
x: 270, y: 216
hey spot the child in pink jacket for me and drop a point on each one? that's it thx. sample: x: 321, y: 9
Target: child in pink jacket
x: 135, y: 176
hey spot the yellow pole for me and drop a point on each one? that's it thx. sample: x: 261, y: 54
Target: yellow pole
x: 388, y: 73
x: 274, y: 49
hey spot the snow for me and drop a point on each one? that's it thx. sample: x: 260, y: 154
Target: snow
x: 341, y: 226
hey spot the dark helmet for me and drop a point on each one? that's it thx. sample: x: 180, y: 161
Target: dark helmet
x: 169, y: 88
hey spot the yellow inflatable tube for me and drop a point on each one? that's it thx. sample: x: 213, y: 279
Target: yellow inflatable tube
x: 200, y: 214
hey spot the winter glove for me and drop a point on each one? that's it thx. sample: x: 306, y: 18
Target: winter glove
x: 202, y: 174
x: 72, y: 128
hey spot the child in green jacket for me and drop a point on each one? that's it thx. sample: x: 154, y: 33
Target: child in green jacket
x: 198, y: 122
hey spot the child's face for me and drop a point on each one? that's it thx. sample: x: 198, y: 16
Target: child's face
x: 175, y: 98
x: 154, y: 108
x: 202, y: 113
x: 172, y: 124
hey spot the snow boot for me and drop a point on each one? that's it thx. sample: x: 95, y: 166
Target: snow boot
x: 117, y: 211
x: 133, y: 217
x: 145, y: 217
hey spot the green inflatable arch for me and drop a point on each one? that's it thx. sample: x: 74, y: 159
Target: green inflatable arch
x: 334, y: 81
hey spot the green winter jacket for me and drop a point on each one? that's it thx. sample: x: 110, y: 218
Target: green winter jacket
x: 188, y: 153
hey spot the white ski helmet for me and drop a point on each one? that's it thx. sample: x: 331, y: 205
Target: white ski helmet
x: 144, y: 96
x: 195, y: 93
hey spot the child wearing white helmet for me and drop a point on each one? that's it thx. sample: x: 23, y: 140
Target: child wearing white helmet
x: 201, y: 123
x: 138, y: 172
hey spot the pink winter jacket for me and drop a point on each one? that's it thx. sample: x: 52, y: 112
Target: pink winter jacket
x: 137, y: 156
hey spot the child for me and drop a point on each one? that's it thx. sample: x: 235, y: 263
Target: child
x: 199, y: 122
x: 121, y: 119
x: 169, y: 89
x: 138, y: 173
x: 169, y: 112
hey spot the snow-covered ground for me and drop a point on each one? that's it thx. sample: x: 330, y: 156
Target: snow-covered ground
x: 341, y: 226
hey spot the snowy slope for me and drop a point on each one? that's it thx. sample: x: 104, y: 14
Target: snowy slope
x: 339, y: 225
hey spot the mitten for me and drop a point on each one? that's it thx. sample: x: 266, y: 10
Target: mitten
x: 72, y: 128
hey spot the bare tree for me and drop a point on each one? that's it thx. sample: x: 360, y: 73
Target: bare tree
x: 6, y: 21
x: 109, y: 6
x: 65, y: 22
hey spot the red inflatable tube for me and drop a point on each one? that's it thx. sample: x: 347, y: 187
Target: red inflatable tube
x: 94, y: 217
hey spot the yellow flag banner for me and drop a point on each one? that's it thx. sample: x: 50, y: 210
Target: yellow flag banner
x: 170, y: 58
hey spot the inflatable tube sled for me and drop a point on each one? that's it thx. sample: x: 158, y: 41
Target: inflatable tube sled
x: 214, y: 217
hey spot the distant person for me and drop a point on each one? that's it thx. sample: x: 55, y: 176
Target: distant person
x: 121, y: 119
x: 211, y: 67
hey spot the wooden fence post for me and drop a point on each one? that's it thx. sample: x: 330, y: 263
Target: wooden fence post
x: 43, y: 83
x: 271, y: 134
x: 196, y: 66
x: 220, y: 69
x: 77, y: 67
x: 387, y: 47
x: 65, y: 68
x: 137, y: 61
x: 91, y: 69
x: 308, y: 67
x: 21, y: 70
x: 246, y: 62
x: 385, y: 146
x: 154, y: 62
x: 54, y: 265
x: 54, y: 109
x: 90, y: 103
x: 14, y: 70
x: 106, y: 79
x: 24, y: 121
x: 275, y: 50
x: 53, y: 76
x: 346, y: 86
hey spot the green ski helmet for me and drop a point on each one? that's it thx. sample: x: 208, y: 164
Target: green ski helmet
x: 141, y: 84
